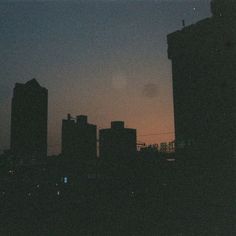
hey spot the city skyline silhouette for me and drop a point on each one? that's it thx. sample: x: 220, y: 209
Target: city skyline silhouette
x: 107, y: 181
x: 91, y: 65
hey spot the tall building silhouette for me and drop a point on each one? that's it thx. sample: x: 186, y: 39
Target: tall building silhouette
x: 29, y: 121
x: 204, y: 74
x: 117, y: 142
x: 79, y: 139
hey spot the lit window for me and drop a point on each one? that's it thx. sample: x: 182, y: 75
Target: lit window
x: 65, y: 180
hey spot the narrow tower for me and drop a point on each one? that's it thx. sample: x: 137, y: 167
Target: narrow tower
x: 29, y: 114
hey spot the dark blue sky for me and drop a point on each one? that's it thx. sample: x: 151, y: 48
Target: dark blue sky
x: 106, y: 59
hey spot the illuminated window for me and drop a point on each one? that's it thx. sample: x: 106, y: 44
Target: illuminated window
x: 65, y: 180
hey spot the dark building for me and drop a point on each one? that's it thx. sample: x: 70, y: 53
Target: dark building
x: 204, y: 74
x: 117, y: 143
x: 29, y: 121
x: 79, y: 139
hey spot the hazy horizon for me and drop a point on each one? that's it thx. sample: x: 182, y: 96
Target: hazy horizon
x: 104, y: 59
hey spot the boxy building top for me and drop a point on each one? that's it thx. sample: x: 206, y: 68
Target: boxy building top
x: 117, y: 124
x: 223, y: 8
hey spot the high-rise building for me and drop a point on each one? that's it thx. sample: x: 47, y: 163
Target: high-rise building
x: 29, y: 121
x: 204, y: 74
x: 79, y: 139
x: 117, y: 143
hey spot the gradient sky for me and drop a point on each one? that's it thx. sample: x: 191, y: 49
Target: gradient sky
x: 106, y: 59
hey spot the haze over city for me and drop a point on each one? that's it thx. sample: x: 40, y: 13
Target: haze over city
x: 105, y: 59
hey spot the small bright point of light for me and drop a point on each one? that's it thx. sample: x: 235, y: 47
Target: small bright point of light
x: 132, y: 194
x: 37, y: 186
x: 194, y: 8
x: 58, y: 193
x: 29, y: 194
x: 65, y: 180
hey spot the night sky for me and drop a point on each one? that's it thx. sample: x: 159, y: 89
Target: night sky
x: 104, y: 59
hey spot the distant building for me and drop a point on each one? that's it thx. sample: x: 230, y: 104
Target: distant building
x: 149, y: 152
x: 117, y: 142
x: 164, y: 147
x: 29, y: 116
x: 79, y: 139
x: 204, y: 74
x: 167, y: 147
